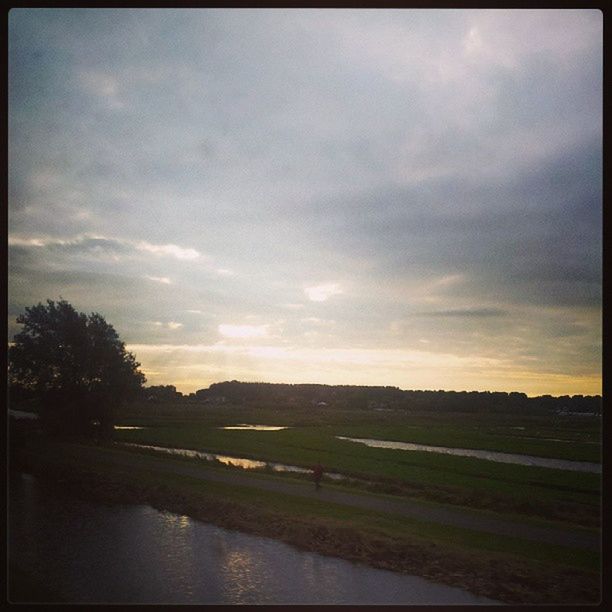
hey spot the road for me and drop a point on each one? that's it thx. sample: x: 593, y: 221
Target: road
x: 445, y: 515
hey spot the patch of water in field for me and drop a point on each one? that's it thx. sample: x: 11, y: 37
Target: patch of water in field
x: 255, y: 427
x: 128, y: 427
x: 240, y: 462
x: 560, y: 464
x: 91, y: 553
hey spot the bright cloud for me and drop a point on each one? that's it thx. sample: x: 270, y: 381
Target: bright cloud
x: 321, y: 293
x: 171, y: 325
x: 243, y: 331
x: 159, y: 279
x: 168, y: 249
x: 25, y: 242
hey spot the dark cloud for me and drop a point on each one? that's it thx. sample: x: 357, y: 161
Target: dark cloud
x: 538, y: 234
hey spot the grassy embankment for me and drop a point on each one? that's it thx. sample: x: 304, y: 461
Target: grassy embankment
x: 569, y: 497
x: 502, y: 568
x: 507, y: 569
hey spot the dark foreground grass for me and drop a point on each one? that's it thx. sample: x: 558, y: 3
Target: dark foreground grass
x: 506, y: 569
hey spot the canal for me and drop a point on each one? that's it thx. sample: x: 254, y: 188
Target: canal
x: 93, y: 553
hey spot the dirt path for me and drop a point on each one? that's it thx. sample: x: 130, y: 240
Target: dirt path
x: 404, y: 507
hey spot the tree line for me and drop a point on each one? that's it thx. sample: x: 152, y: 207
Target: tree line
x: 77, y: 370
x: 376, y: 397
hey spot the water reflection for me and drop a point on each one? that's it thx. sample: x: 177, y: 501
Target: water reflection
x: 127, y: 427
x: 242, y: 574
x: 255, y: 427
x: 176, y: 547
x: 181, y: 521
x: 246, y: 464
x: 239, y: 462
x: 561, y: 464
x: 93, y: 553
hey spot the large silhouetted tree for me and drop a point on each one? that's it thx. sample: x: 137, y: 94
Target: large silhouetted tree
x: 75, y: 365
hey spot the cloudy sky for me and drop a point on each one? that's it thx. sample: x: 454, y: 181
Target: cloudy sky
x: 391, y: 197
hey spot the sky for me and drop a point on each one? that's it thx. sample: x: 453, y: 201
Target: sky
x: 374, y: 197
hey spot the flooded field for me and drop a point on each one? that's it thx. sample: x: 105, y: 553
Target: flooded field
x: 239, y: 462
x: 560, y: 464
x: 255, y: 427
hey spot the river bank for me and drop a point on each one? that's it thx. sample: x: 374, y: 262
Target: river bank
x: 148, y: 556
x: 500, y: 577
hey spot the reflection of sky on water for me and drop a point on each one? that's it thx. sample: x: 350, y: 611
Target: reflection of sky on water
x: 240, y: 462
x: 180, y: 521
x: 177, y: 547
x: 560, y: 464
x: 247, y: 464
x: 246, y: 570
x: 241, y: 575
x: 318, y: 578
x: 255, y: 427
x: 94, y: 553
x: 127, y: 427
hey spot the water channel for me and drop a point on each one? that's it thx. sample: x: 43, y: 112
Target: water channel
x: 560, y: 464
x: 255, y: 427
x: 92, y: 553
x: 240, y: 462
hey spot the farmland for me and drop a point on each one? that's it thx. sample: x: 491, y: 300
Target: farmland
x: 359, y: 515
x: 562, y: 495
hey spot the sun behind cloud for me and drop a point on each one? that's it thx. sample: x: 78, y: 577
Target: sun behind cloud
x: 321, y: 293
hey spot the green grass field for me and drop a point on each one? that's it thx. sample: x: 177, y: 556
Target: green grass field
x: 571, y: 497
x: 294, y: 508
x: 510, y: 569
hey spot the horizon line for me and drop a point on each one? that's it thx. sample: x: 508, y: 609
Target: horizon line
x: 597, y: 395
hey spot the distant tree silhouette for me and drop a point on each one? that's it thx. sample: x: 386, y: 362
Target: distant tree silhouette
x: 75, y: 365
x: 161, y: 393
x: 376, y: 397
